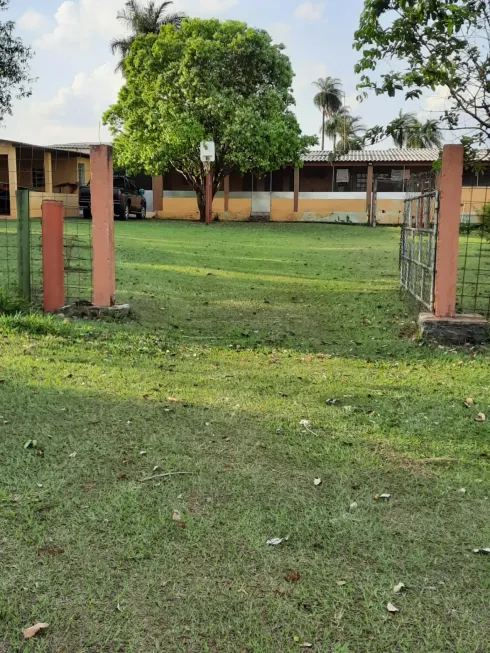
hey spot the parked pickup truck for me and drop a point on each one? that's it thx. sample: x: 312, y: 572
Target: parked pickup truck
x: 128, y: 200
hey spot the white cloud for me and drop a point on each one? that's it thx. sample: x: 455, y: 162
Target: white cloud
x: 310, y: 10
x: 216, y: 6
x: 78, y: 23
x: 73, y: 114
x: 32, y: 21
x: 439, y: 101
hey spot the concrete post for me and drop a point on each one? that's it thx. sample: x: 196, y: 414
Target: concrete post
x: 102, y: 200
x: 369, y: 191
x: 448, y: 232
x: 227, y: 193
x: 157, y: 186
x: 48, y: 173
x: 296, y: 190
x: 53, y: 255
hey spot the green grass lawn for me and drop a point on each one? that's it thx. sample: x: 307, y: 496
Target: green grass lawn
x: 241, y: 332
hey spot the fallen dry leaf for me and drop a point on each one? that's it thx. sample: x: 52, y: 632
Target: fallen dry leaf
x: 398, y: 588
x: 391, y: 608
x: 353, y: 506
x: 469, y: 402
x: 182, y: 524
x: 277, y: 540
x: 341, y: 583
x: 306, y: 645
x: 172, y: 400
x: 317, y: 481
x: 385, y: 497
x: 481, y: 417
x: 33, y: 630
x: 176, y: 516
x: 279, y: 592
x: 292, y: 577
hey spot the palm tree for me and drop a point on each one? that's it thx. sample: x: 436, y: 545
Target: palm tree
x: 402, y: 128
x: 328, y: 99
x: 350, y: 134
x: 345, y: 132
x: 408, y: 131
x: 425, y: 134
x: 335, y: 125
x: 142, y: 20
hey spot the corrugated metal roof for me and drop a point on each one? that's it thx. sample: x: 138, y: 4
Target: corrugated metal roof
x: 394, y: 155
x: 47, y: 148
x: 77, y: 147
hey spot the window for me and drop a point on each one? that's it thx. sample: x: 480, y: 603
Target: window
x: 38, y: 178
x: 81, y: 174
x: 361, y: 182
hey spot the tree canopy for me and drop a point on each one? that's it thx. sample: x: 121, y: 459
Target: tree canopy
x: 430, y: 44
x: 208, y: 80
x: 14, y: 66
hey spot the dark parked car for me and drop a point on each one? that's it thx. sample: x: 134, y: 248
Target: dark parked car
x: 128, y: 200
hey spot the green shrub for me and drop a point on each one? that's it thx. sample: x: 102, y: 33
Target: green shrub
x: 36, y: 324
x: 11, y: 304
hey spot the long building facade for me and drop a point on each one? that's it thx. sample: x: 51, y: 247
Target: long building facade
x: 356, y: 188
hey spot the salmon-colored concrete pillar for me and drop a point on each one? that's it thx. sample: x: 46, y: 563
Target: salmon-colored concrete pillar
x: 157, y: 186
x: 102, y: 200
x: 227, y: 193
x: 53, y: 255
x: 448, y: 232
x: 296, y: 190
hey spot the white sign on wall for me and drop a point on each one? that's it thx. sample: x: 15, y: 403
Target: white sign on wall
x: 208, y: 152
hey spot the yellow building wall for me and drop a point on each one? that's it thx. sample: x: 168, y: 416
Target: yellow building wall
x: 332, y: 210
x: 179, y: 208
x: 70, y: 203
x: 389, y: 212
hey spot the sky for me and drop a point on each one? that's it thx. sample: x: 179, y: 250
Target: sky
x: 77, y: 82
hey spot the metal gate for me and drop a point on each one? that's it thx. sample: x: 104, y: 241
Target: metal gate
x: 419, y: 238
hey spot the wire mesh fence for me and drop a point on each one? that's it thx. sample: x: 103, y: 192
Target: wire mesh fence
x: 78, y: 260
x: 419, y: 238
x: 473, y: 292
x: 8, y: 255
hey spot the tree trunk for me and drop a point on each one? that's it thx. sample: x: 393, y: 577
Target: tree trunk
x: 323, y: 130
x: 333, y: 163
x: 201, y: 203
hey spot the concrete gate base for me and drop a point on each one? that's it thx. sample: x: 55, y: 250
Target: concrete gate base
x: 458, y: 330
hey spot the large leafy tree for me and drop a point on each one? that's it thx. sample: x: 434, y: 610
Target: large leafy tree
x: 142, y: 20
x: 14, y: 66
x: 209, y: 80
x: 431, y: 43
x: 328, y: 99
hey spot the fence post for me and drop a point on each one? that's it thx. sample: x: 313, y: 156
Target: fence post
x: 296, y: 190
x: 369, y: 193
x: 53, y: 255
x: 23, y: 244
x: 157, y: 187
x: 102, y: 201
x: 446, y: 270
